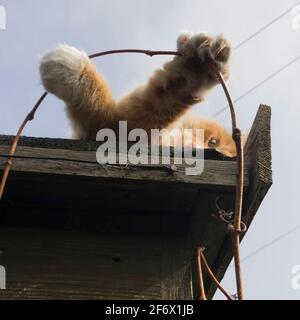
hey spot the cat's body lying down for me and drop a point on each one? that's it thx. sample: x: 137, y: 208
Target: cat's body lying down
x: 162, y: 103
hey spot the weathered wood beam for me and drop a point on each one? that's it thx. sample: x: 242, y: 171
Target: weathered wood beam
x: 83, y: 163
x: 55, y: 182
x: 258, y: 157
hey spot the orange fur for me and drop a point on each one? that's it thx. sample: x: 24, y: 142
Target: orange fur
x: 161, y: 103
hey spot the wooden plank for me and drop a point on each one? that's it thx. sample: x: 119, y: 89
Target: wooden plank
x: 96, y: 197
x: 82, y: 145
x: 123, y: 193
x: 55, y: 264
x: 83, y: 164
x: 176, y: 259
x: 208, y: 231
x: 258, y: 155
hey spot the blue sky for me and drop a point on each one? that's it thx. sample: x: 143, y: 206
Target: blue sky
x: 33, y: 26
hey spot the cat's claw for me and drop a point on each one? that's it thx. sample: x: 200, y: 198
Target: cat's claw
x: 200, y: 49
x: 221, y: 49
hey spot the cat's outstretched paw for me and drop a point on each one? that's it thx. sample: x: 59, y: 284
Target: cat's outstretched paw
x: 200, y: 49
x: 60, y: 71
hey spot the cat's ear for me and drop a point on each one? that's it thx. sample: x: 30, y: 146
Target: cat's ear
x: 183, y: 40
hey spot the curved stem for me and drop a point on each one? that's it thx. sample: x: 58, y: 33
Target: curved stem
x: 213, y: 278
x: 29, y: 117
x: 236, y: 229
x: 147, y: 52
x: 202, y: 295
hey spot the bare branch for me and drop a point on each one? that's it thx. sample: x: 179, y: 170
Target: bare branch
x: 213, y: 278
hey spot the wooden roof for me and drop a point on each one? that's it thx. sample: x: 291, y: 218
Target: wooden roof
x: 71, y: 228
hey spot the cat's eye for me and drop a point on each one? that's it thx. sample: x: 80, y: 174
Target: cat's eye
x: 212, y: 143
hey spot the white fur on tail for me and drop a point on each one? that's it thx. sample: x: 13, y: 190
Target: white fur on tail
x: 60, y: 70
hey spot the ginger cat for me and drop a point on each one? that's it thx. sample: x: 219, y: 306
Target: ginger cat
x: 163, y: 102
